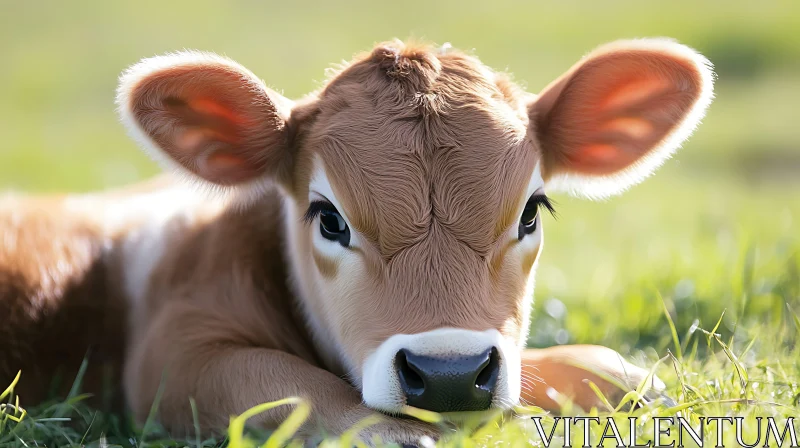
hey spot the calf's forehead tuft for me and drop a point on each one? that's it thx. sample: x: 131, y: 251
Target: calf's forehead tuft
x: 415, y: 73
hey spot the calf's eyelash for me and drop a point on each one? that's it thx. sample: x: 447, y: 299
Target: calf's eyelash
x: 315, y: 208
x: 543, y: 201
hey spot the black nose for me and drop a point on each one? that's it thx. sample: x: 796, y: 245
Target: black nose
x: 449, y: 383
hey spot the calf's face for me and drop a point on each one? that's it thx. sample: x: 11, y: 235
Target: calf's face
x: 415, y: 181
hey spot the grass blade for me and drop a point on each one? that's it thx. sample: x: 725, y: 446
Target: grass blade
x: 236, y: 428
x: 675, y: 340
x: 289, y: 426
x: 11, y: 387
x: 795, y: 317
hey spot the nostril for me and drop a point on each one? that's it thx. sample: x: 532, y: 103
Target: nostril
x: 410, y: 378
x: 487, y: 378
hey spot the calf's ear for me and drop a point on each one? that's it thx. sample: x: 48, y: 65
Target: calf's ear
x: 615, y: 116
x: 207, y: 116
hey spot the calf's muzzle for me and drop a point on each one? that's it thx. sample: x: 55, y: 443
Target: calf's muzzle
x: 448, y: 383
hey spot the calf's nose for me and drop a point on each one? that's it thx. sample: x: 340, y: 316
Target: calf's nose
x: 448, y: 383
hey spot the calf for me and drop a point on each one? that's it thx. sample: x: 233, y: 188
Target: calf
x: 368, y: 247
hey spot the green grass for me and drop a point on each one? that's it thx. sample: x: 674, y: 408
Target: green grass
x: 714, y: 233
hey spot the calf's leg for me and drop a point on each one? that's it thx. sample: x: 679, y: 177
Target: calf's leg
x: 187, y: 353
x: 559, y: 373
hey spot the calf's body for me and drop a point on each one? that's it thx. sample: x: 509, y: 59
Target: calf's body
x: 141, y: 274
x: 374, y: 238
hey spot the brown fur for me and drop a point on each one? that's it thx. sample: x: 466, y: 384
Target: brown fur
x: 49, y: 288
x: 429, y: 154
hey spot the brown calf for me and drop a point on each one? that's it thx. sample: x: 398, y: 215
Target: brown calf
x: 370, y: 246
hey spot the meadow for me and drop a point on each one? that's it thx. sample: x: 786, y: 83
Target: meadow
x: 699, y: 266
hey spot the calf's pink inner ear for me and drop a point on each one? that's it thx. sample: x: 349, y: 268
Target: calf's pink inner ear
x: 613, y: 110
x: 214, y: 121
x: 208, y: 139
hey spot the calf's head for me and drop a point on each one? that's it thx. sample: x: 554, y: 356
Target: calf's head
x: 414, y: 185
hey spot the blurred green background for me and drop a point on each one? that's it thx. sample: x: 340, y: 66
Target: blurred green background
x: 716, y: 229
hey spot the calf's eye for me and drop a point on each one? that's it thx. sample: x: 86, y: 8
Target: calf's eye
x: 332, y: 226
x: 529, y: 220
x: 527, y: 223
